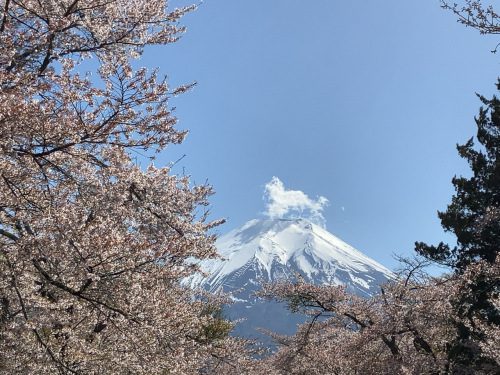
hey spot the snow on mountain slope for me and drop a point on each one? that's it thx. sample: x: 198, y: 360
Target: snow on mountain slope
x: 276, y: 249
x: 272, y: 249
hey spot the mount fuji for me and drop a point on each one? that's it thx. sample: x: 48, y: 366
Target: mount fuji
x: 270, y: 250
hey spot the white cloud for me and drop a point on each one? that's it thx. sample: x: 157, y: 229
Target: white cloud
x: 283, y: 203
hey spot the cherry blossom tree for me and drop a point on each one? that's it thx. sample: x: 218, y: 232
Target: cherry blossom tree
x: 92, y: 246
x: 407, y: 329
x: 480, y: 15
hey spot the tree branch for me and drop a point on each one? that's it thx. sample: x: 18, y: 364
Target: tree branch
x: 80, y: 294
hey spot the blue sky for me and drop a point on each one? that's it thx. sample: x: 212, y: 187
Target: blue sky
x: 361, y: 102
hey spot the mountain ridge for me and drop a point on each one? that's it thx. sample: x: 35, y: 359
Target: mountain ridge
x: 282, y: 248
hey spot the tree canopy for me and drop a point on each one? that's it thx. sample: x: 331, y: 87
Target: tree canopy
x: 92, y: 246
x: 474, y: 213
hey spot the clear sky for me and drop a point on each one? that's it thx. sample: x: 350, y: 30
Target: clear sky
x: 361, y: 102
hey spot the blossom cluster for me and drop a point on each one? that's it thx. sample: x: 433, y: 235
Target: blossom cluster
x: 92, y: 246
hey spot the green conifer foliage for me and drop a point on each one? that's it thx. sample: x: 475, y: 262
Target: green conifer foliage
x: 473, y: 216
x: 474, y: 213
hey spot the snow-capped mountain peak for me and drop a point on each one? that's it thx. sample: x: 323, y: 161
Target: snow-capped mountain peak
x: 272, y: 249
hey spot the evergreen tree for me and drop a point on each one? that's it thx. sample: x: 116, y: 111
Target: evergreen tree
x: 474, y: 217
x: 474, y: 213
